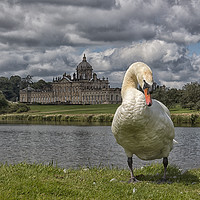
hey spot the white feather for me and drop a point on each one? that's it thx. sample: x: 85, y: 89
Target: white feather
x: 175, y: 142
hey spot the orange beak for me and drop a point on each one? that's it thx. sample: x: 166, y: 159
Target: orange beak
x: 147, y: 97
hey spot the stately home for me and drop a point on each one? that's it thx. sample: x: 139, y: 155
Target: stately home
x: 83, y: 88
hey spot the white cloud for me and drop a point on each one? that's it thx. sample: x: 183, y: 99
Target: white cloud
x: 170, y: 62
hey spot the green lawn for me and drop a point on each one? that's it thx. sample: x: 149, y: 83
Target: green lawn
x: 89, y: 109
x: 25, y: 181
x: 178, y: 110
x: 74, y: 109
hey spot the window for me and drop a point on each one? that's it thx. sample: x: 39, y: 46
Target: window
x: 111, y: 98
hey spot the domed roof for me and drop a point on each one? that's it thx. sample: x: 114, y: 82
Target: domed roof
x: 84, y: 64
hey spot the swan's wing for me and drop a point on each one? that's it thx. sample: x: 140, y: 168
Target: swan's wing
x: 116, y: 120
x: 161, y: 119
x: 164, y: 107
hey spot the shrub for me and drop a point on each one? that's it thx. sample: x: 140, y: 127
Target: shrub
x: 22, y: 108
x: 198, y: 105
x: 17, y: 107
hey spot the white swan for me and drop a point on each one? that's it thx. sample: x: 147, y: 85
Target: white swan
x: 142, y: 126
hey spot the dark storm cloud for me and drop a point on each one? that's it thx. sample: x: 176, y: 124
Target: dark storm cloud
x: 52, y: 39
x: 118, y: 33
x: 52, y: 25
x: 105, y: 4
x: 10, y: 18
x: 8, y: 24
x: 15, y: 40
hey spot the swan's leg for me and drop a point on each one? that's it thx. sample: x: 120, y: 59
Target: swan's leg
x: 165, y: 163
x: 130, y: 164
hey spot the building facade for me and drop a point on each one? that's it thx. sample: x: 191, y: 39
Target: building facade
x: 83, y: 88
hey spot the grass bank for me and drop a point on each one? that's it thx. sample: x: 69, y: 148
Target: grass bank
x: 186, y: 119
x: 37, y: 181
x: 87, y: 114
x: 79, y: 119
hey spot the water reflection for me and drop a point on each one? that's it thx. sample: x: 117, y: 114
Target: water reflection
x: 74, y: 146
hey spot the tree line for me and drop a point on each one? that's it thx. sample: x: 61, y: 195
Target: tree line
x: 187, y: 97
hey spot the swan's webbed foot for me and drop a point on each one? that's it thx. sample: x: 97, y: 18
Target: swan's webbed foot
x: 162, y: 180
x: 130, y: 164
x: 133, y: 180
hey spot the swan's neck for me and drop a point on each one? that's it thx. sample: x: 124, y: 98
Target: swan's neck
x: 129, y: 82
x: 136, y: 73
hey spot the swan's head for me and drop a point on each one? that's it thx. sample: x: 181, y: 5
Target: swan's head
x: 145, y: 80
x: 139, y: 73
x: 148, y: 90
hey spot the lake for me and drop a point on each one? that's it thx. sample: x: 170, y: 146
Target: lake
x: 78, y: 146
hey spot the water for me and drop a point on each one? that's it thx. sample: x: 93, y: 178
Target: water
x: 77, y: 146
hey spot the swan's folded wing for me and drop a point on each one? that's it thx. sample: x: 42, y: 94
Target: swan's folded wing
x: 164, y: 107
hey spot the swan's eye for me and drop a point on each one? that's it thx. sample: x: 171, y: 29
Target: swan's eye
x: 146, y: 85
x: 151, y: 88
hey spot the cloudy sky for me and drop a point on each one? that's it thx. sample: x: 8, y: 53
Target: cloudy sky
x: 45, y: 38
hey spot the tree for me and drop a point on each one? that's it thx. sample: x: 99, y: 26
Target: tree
x: 6, y: 87
x: 41, y: 85
x: 15, y: 82
x: 173, y: 97
x: 169, y: 97
x: 190, y: 95
x: 25, y: 82
x: 10, y: 87
x: 3, y: 102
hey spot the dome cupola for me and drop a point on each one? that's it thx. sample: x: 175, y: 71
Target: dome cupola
x: 84, y: 70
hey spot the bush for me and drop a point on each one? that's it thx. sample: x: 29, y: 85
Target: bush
x: 198, y: 105
x: 9, y: 107
x: 193, y: 119
x: 17, y: 107
x: 22, y: 108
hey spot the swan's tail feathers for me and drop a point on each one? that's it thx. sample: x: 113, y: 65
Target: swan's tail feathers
x: 175, y: 142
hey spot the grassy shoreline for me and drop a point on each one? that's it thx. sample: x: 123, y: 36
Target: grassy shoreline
x: 88, y: 119
x: 88, y: 114
x: 37, y: 181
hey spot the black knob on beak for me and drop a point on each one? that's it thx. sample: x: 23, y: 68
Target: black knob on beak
x: 152, y: 87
